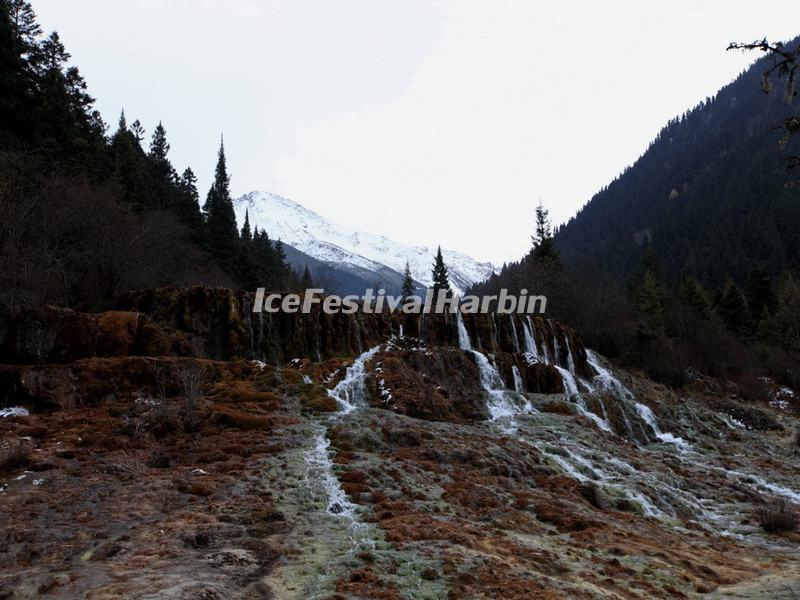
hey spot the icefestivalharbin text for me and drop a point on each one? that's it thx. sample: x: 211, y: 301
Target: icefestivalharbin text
x: 371, y: 302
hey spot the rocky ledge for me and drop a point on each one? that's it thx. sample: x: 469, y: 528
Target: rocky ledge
x: 161, y: 451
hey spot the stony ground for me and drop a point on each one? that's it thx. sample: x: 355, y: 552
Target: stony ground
x: 183, y: 478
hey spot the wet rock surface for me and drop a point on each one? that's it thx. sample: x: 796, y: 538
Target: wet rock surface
x: 417, y: 470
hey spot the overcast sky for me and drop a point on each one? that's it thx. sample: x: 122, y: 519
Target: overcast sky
x: 428, y: 121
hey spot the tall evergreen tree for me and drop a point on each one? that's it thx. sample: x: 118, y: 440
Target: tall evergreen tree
x: 159, y: 147
x: 138, y: 131
x: 732, y: 307
x: 122, y: 124
x: 306, y: 282
x: 692, y: 295
x: 223, y: 235
x: 166, y: 194
x: 441, y: 279
x: 760, y: 292
x: 187, y: 205
x: 24, y: 26
x: 246, y: 233
x: 407, y: 288
x: 544, y: 248
x: 188, y: 183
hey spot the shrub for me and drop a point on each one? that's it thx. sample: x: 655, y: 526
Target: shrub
x: 778, y: 517
x: 192, y: 381
x: 15, y: 457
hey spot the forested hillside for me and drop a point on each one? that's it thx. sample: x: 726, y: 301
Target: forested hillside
x: 88, y: 212
x: 708, y: 195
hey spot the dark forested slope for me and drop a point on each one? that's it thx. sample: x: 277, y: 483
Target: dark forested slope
x: 708, y: 195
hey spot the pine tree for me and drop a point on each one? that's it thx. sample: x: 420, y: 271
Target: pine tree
x: 138, y: 131
x: 16, y: 77
x: 649, y: 295
x: 732, y: 307
x: 408, y: 287
x: 692, y: 294
x: 187, y: 206
x: 188, y: 183
x: 159, y: 147
x: 760, y: 292
x: 24, y: 26
x: 122, y: 124
x: 441, y: 279
x: 223, y: 235
x: 544, y: 248
x: 306, y: 282
x: 246, y: 234
x: 650, y: 303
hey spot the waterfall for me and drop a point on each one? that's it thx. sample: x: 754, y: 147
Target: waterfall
x: 544, y: 353
x: 493, y: 334
x: 570, y: 359
x: 321, y: 479
x: 514, y: 337
x: 568, y: 378
x: 666, y: 437
x: 530, y: 343
x: 556, y: 348
x: 491, y: 381
x: 606, y: 379
x: 401, y: 331
x: 582, y: 469
x: 584, y: 410
x: 519, y: 387
x: 534, y: 348
x: 350, y: 392
x: 463, y: 334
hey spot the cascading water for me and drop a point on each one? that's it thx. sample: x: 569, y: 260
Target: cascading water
x: 648, y: 417
x: 350, y: 391
x: 570, y: 385
x: 321, y: 480
x: 493, y: 333
x: 519, y: 387
x: 499, y: 405
x: 530, y: 343
x: 463, y: 334
x: 605, y: 379
x: 514, y: 338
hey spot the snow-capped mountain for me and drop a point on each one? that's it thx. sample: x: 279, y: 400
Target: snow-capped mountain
x: 372, y: 257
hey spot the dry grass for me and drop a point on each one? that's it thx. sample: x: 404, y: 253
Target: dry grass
x: 14, y: 457
x: 778, y: 517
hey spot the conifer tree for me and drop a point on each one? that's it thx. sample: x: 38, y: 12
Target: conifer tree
x: 159, y: 147
x: 188, y: 183
x: 306, y: 282
x: 187, y: 206
x: 407, y: 288
x: 732, y: 307
x: 138, y: 131
x: 760, y: 292
x: 247, y: 236
x: 692, y: 294
x: 441, y: 279
x: 24, y: 26
x: 223, y: 235
x: 650, y: 303
x: 649, y: 295
x: 544, y: 248
x: 122, y: 124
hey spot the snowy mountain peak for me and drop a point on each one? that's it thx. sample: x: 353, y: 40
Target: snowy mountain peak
x: 346, y: 248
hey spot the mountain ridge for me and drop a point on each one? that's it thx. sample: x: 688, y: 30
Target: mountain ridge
x: 354, y: 251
